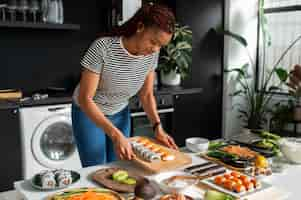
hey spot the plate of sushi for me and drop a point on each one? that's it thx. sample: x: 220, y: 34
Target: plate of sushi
x: 54, y: 179
x: 236, y: 184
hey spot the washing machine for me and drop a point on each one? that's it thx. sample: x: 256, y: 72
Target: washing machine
x: 47, y: 139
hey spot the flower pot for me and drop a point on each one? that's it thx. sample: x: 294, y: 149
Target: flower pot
x: 171, y: 79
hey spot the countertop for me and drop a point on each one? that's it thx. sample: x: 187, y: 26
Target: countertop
x: 9, y: 104
x: 287, y: 182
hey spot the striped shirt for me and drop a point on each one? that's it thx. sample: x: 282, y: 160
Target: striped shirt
x: 122, y: 74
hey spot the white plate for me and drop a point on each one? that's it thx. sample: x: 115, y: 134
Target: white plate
x: 165, y: 175
x: 210, y: 182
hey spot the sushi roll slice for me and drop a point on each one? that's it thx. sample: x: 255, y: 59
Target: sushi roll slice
x: 63, y: 178
x: 244, y: 178
x: 235, y: 174
x: 155, y: 157
x: 48, y: 180
x: 228, y: 176
x: 228, y: 184
x: 219, y: 180
x: 256, y: 183
x: 249, y: 186
x: 239, y: 188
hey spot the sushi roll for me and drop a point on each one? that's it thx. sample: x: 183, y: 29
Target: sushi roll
x: 219, y: 180
x: 228, y: 176
x: 63, y: 178
x: 149, y: 145
x: 237, y: 180
x: 256, y: 183
x: 154, y: 148
x: 48, y: 180
x: 239, y: 188
x: 155, y: 157
x: 228, y: 184
x: 249, y: 186
x: 235, y: 174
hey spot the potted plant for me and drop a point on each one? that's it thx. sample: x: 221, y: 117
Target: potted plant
x: 176, y: 57
x: 254, y: 113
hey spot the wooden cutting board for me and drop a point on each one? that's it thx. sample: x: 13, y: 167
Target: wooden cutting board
x: 104, y: 177
x: 180, y: 160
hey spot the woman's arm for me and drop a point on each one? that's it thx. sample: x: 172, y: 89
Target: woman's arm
x: 88, y: 85
x: 148, y: 101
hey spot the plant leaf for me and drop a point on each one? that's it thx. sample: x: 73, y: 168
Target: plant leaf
x: 282, y: 74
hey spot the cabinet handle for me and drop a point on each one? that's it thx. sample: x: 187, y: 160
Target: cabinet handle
x: 15, y: 111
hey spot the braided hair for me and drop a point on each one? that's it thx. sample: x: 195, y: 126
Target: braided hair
x: 150, y: 15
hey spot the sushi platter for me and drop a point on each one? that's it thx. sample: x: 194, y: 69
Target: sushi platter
x: 54, y: 179
x: 236, y: 184
x: 156, y: 158
x: 239, y: 158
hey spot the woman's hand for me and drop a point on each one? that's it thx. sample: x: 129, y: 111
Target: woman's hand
x: 123, y: 148
x: 164, y: 138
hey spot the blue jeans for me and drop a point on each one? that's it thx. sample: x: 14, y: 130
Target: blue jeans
x: 94, y: 146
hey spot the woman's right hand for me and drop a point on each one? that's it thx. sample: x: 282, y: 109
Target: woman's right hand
x: 123, y: 148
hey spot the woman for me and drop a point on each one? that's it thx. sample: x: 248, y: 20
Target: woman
x: 115, y: 68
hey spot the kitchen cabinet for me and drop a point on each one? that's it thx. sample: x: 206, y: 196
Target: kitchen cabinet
x: 10, y: 144
x: 186, y: 117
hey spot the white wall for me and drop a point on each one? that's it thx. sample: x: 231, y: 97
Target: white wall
x: 241, y: 18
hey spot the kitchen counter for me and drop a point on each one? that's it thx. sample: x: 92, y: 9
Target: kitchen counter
x: 286, y: 182
x: 173, y: 90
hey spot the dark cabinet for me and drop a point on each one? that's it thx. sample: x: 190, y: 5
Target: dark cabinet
x: 10, y: 143
x: 187, y: 117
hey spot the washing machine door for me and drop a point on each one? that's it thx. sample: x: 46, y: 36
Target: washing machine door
x: 53, y: 144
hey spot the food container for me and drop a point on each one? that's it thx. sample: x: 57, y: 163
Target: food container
x: 197, y: 144
x: 175, y: 181
x: 291, y: 149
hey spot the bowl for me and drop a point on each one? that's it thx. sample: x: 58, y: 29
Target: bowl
x: 175, y: 181
x: 197, y: 144
x: 291, y: 148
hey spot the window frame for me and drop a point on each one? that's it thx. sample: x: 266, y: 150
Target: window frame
x: 259, y: 70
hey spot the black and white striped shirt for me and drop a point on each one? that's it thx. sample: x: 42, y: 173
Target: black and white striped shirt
x: 122, y: 74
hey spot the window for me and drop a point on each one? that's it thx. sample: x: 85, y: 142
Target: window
x: 283, y: 27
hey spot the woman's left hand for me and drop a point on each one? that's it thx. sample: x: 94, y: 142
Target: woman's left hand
x: 165, y: 139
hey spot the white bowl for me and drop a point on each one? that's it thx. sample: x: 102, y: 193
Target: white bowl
x: 197, y: 144
x: 291, y: 149
x: 176, y: 187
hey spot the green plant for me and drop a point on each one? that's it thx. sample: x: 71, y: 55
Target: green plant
x: 257, y: 100
x: 281, y: 114
x: 177, y: 55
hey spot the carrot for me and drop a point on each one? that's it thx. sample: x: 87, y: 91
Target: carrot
x: 91, y: 195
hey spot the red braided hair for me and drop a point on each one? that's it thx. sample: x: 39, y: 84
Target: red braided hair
x: 150, y: 15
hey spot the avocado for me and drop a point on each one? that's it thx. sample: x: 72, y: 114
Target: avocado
x: 129, y: 181
x: 120, y: 175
